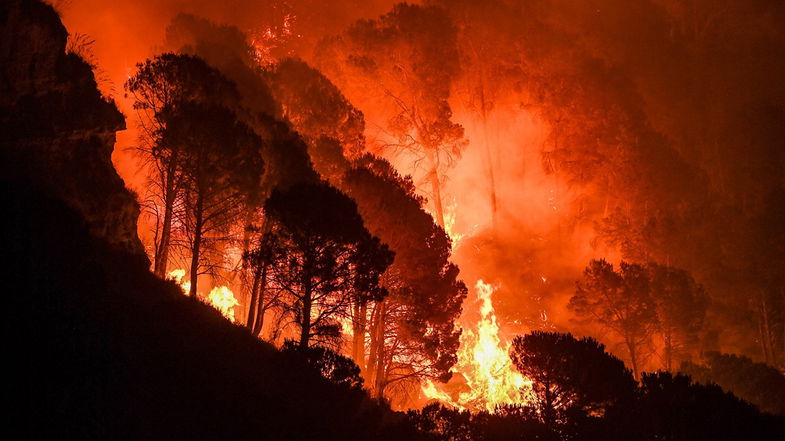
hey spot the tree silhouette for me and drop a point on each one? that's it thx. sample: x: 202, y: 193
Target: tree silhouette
x: 389, y: 341
x: 681, y: 305
x: 619, y: 300
x: 674, y: 408
x: 412, y: 333
x: 221, y: 158
x: 315, y: 107
x: 571, y: 378
x: 158, y: 88
x: 330, y: 364
x: 323, y: 247
x: 758, y: 383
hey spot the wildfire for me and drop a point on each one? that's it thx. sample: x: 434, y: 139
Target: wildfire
x: 178, y: 275
x: 265, y: 40
x: 450, y: 215
x: 221, y: 297
x: 484, y: 361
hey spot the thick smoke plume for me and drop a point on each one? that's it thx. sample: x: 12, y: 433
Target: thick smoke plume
x: 649, y: 131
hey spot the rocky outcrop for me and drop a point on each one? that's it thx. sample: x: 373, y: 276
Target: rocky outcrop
x: 56, y: 130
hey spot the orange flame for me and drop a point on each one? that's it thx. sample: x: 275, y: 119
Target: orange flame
x: 484, y: 361
x: 221, y: 297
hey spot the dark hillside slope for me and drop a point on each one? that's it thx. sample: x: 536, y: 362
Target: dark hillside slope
x: 97, y: 346
x: 55, y: 128
x: 102, y: 349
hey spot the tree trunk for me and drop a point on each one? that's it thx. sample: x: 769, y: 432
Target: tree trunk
x: 375, y: 367
x: 305, y: 312
x: 198, y: 214
x: 374, y: 345
x: 162, y: 250
x: 767, y: 329
x: 249, y: 323
x: 488, y: 158
x: 379, y: 375
x: 631, y: 347
x: 432, y: 156
x: 436, y: 189
x: 261, y: 308
x: 358, y: 331
x: 668, y: 351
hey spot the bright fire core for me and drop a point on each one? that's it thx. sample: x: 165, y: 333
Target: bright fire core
x: 484, y: 362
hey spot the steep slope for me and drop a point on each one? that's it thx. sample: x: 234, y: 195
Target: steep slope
x: 98, y: 347
x: 55, y: 128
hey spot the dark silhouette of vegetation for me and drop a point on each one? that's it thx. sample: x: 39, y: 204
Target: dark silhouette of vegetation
x: 758, y: 383
x: 220, y: 159
x: 333, y: 366
x: 673, y: 407
x: 621, y: 301
x: 159, y: 88
x: 327, y: 259
x: 99, y: 347
x: 572, y: 379
x: 681, y: 305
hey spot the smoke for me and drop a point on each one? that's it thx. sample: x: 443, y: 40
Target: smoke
x: 666, y: 114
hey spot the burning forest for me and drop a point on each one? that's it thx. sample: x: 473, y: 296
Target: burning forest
x: 437, y: 220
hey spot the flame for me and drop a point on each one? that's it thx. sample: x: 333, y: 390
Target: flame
x: 450, y: 215
x: 178, y: 275
x: 264, y: 40
x: 221, y: 297
x: 484, y: 361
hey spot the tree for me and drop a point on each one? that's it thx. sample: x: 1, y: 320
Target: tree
x: 388, y: 340
x: 158, y: 88
x: 258, y: 261
x: 488, y: 50
x: 220, y: 159
x: 330, y: 364
x: 571, y: 377
x: 324, y: 246
x: 681, y: 305
x: 758, y: 383
x: 620, y: 301
x: 411, y: 333
x: 404, y: 64
x: 673, y: 407
x: 315, y: 107
x: 391, y: 344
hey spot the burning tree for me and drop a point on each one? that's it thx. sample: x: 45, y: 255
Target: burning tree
x: 405, y: 62
x: 619, y: 300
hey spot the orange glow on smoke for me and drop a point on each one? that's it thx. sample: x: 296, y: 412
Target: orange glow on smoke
x: 532, y: 219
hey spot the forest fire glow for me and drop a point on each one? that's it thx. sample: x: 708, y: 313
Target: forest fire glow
x: 484, y: 362
x: 471, y: 141
x: 221, y: 297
